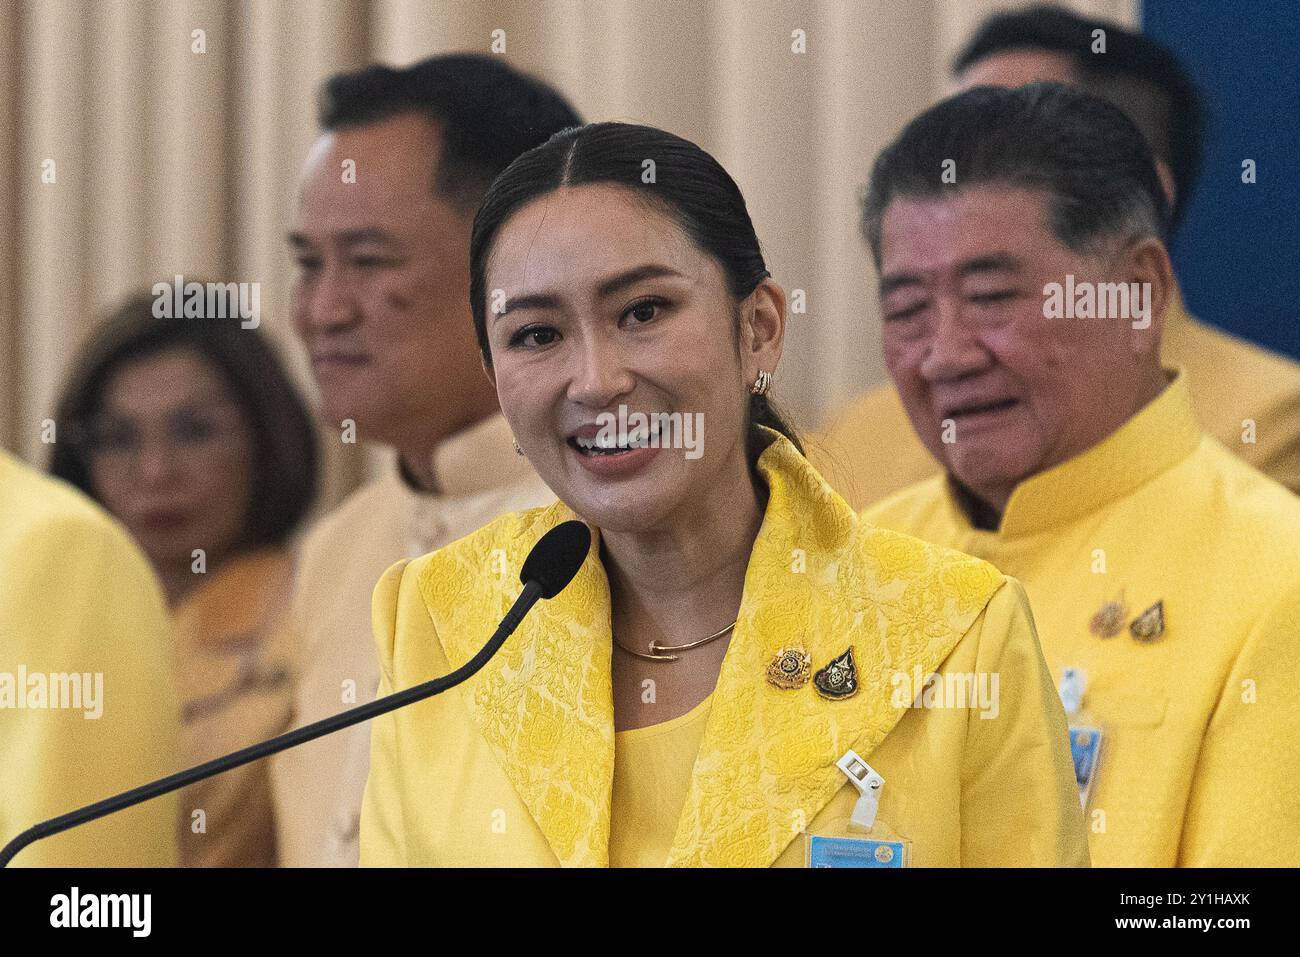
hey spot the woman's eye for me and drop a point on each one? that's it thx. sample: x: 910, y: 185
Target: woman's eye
x: 534, y: 336
x: 645, y: 310
x: 114, y: 438
x: 192, y: 431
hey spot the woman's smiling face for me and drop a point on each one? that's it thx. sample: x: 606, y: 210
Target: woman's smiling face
x: 597, y: 299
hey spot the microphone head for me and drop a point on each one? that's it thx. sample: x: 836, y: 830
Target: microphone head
x: 556, y: 557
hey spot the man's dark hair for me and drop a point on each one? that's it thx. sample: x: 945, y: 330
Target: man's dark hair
x: 1137, y: 74
x: 488, y: 113
x: 1084, y: 153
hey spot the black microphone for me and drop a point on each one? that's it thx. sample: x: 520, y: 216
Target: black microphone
x: 548, y: 569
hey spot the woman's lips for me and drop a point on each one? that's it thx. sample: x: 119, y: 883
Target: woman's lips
x: 161, y: 521
x: 613, y: 464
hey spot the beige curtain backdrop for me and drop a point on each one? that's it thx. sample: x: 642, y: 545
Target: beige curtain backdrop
x: 168, y: 161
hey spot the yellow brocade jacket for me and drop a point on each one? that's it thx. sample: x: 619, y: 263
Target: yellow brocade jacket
x: 515, y: 766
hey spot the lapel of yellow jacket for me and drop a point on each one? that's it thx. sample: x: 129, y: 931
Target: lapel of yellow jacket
x: 820, y: 578
x: 545, y: 702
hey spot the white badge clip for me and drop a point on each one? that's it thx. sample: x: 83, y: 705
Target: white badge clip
x: 1074, y: 684
x: 869, y: 785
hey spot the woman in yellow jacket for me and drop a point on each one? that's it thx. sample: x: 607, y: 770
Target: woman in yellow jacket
x: 740, y: 661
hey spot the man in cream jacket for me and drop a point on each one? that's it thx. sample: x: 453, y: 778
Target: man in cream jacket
x: 382, y: 307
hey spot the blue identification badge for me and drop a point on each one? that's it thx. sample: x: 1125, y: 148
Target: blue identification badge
x: 879, y: 850
x: 855, y: 852
x: 1085, y: 736
x: 1085, y: 748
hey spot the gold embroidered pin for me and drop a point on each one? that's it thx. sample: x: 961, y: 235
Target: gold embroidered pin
x: 1149, y: 625
x: 839, y: 679
x: 789, y: 668
x: 1109, y: 620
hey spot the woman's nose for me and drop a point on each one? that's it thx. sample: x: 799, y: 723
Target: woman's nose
x: 601, y: 374
x: 156, y: 462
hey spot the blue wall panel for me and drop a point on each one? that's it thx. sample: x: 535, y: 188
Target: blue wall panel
x: 1238, y: 253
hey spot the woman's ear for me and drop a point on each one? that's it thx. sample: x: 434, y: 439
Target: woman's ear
x: 763, y: 328
x: 488, y: 370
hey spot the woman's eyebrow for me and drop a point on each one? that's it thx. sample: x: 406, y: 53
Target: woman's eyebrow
x: 536, y: 300
x: 607, y: 288
x: 634, y: 275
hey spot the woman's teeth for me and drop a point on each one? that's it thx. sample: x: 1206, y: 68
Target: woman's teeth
x: 608, y: 445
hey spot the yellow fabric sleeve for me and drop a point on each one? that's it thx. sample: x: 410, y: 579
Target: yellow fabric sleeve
x: 1020, y: 802
x: 77, y: 596
x: 1244, y: 807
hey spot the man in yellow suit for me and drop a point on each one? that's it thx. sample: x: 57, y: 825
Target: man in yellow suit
x: 1022, y: 310
x: 86, y: 705
x: 1245, y: 396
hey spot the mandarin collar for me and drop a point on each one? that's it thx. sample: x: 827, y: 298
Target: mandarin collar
x: 477, y: 459
x: 1158, y: 437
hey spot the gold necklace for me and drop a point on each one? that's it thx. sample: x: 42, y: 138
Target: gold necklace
x: 656, y: 649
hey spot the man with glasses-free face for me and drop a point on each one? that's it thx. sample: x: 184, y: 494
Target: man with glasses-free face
x: 381, y: 304
x: 1021, y: 308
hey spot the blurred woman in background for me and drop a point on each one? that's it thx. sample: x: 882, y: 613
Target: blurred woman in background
x: 189, y: 431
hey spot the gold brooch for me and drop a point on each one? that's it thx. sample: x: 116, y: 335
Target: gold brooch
x: 1149, y: 625
x: 789, y: 668
x: 1109, y: 620
x: 839, y: 679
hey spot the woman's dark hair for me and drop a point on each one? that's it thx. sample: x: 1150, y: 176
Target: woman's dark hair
x: 284, y: 481
x: 687, y: 184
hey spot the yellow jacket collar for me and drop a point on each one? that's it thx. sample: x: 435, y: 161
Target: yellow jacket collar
x: 817, y: 578
x: 1158, y: 437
